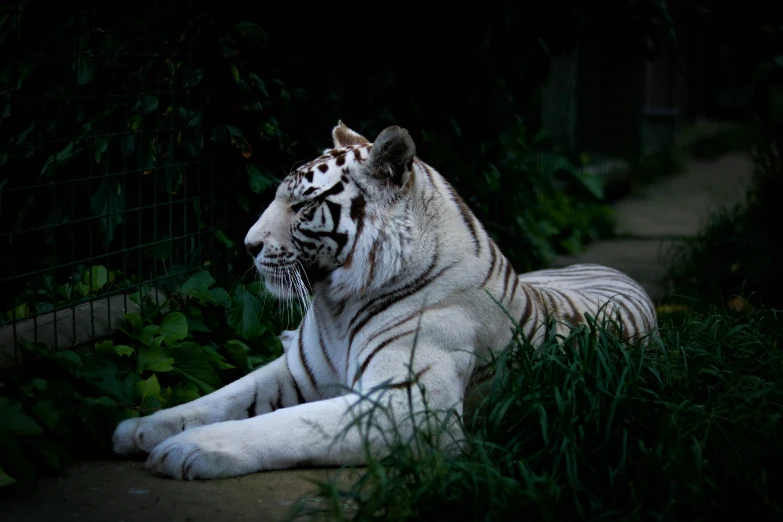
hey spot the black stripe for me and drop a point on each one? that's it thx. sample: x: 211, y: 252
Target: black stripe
x: 467, y: 217
x: 375, y: 352
x: 408, y: 384
x: 303, y: 356
x: 395, y: 325
x: 299, y: 397
x: 251, y: 410
x: 514, y: 290
x: 493, y: 256
x: 509, y: 270
x: 382, y: 298
x: 322, y: 344
x: 403, y: 294
x: 527, y: 311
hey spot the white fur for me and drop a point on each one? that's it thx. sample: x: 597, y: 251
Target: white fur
x: 419, y: 270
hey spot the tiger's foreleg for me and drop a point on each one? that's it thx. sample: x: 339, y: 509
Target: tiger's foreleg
x: 339, y: 431
x: 266, y: 389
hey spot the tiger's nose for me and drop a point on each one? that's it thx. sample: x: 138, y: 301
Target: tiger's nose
x: 254, y: 248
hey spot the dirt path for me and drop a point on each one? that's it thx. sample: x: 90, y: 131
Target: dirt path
x: 122, y: 491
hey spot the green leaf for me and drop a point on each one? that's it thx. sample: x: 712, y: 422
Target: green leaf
x: 244, y: 312
x: 592, y: 183
x: 108, y: 204
x: 135, y: 122
x: 104, y: 377
x: 235, y: 134
x: 235, y: 72
x: 205, y: 387
x: 67, y: 359
x: 174, y: 327
x: 123, y: 350
x: 259, y: 83
x: 154, y: 358
x: 33, y: 386
x: 258, y: 181
x: 105, y: 347
x: 238, y: 352
x: 196, y: 324
x: 149, y: 387
x: 192, y: 362
x: 136, y: 324
x: 251, y: 29
x: 185, y: 392
x: 99, y: 146
x: 58, y: 160
x: 220, y: 296
x: 51, y: 415
x: 15, y: 421
x: 223, y: 239
x: 96, y: 278
x: 18, y: 312
x: 84, y: 67
x: 215, y: 359
x: 148, y: 335
x: 198, y: 286
x: 5, y: 479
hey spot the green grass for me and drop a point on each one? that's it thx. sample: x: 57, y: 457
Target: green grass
x: 687, y: 427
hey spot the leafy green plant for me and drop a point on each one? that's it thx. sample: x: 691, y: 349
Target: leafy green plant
x: 68, y: 402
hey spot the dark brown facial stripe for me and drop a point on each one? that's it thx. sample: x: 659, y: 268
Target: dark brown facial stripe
x: 357, y: 216
x: 467, y: 218
x: 371, y: 260
x: 375, y: 352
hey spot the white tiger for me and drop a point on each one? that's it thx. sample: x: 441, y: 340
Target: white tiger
x: 394, y: 256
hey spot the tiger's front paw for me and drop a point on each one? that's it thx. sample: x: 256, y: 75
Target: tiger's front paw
x: 143, y: 434
x: 208, y: 452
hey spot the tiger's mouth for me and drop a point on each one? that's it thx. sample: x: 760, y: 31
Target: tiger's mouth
x: 291, y: 280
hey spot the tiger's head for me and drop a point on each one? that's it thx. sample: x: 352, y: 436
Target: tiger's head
x: 340, y: 218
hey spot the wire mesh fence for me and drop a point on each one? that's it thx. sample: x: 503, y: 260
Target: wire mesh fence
x: 107, y: 200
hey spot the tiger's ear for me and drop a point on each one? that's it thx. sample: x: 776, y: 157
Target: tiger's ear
x: 345, y: 137
x: 391, y: 156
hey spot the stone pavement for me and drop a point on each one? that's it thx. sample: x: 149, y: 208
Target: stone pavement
x: 650, y: 222
x: 122, y: 491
